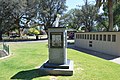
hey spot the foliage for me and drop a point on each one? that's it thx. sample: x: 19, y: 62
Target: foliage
x: 6, y: 21
x: 9, y: 12
x: 88, y: 16
x: 116, y: 14
x: 71, y: 19
x: 34, y: 31
x: 47, y: 14
x: 103, y: 18
x: 30, y: 56
x: 85, y: 16
x: 22, y: 13
x: 109, y: 6
x: 102, y: 22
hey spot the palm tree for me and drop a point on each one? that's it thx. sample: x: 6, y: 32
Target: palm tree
x: 110, y: 11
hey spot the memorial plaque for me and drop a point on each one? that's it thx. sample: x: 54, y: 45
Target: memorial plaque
x: 56, y: 40
x: 58, y: 64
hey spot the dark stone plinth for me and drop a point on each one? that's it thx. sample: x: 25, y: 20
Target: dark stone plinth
x: 61, y: 66
x: 58, y: 69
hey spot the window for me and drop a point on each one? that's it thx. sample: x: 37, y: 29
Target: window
x: 90, y: 45
x: 87, y: 36
x: 90, y: 36
x: 104, y: 37
x: 109, y: 37
x: 113, y: 38
x: 80, y: 36
x: 83, y: 36
x: 90, y: 41
x: 97, y: 37
x: 76, y: 36
x: 100, y: 37
x: 93, y: 36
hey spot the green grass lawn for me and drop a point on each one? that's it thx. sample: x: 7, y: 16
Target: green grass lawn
x: 27, y: 56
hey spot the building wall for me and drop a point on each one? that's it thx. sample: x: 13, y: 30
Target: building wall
x: 105, y: 42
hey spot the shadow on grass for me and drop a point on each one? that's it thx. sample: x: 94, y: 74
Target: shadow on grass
x: 29, y: 74
x: 94, y: 53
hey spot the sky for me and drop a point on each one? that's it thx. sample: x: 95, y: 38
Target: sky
x: 72, y: 3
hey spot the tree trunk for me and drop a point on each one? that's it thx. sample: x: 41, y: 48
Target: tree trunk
x: 8, y: 34
x: 0, y: 36
x: 86, y: 26
x: 19, y: 33
x: 110, y: 6
x: 18, y: 26
x: 37, y: 37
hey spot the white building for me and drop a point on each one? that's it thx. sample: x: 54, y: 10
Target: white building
x: 105, y: 42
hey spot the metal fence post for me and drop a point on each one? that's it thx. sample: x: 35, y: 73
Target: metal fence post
x: 6, y: 48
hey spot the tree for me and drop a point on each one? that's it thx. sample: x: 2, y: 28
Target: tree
x: 84, y: 16
x: 18, y: 12
x: 116, y: 14
x: 102, y: 22
x: 110, y: 10
x: 6, y: 19
x: 12, y: 12
x: 48, y: 9
x: 24, y: 11
x: 34, y: 31
x: 88, y: 16
x: 71, y: 19
x: 29, y: 11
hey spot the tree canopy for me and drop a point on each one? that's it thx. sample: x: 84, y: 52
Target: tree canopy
x: 84, y: 16
x: 16, y: 14
x: 23, y: 13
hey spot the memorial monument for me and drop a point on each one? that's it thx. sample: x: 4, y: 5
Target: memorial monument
x: 58, y: 64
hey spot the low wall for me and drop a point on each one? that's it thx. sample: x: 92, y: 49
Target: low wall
x: 105, y: 42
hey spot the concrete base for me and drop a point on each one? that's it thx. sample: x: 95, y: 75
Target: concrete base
x: 58, y: 69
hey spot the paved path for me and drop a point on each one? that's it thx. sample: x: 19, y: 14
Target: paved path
x: 26, y: 41
x: 70, y: 41
x: 116, y: 60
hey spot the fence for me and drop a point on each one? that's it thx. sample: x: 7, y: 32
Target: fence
x: 6, y: 48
